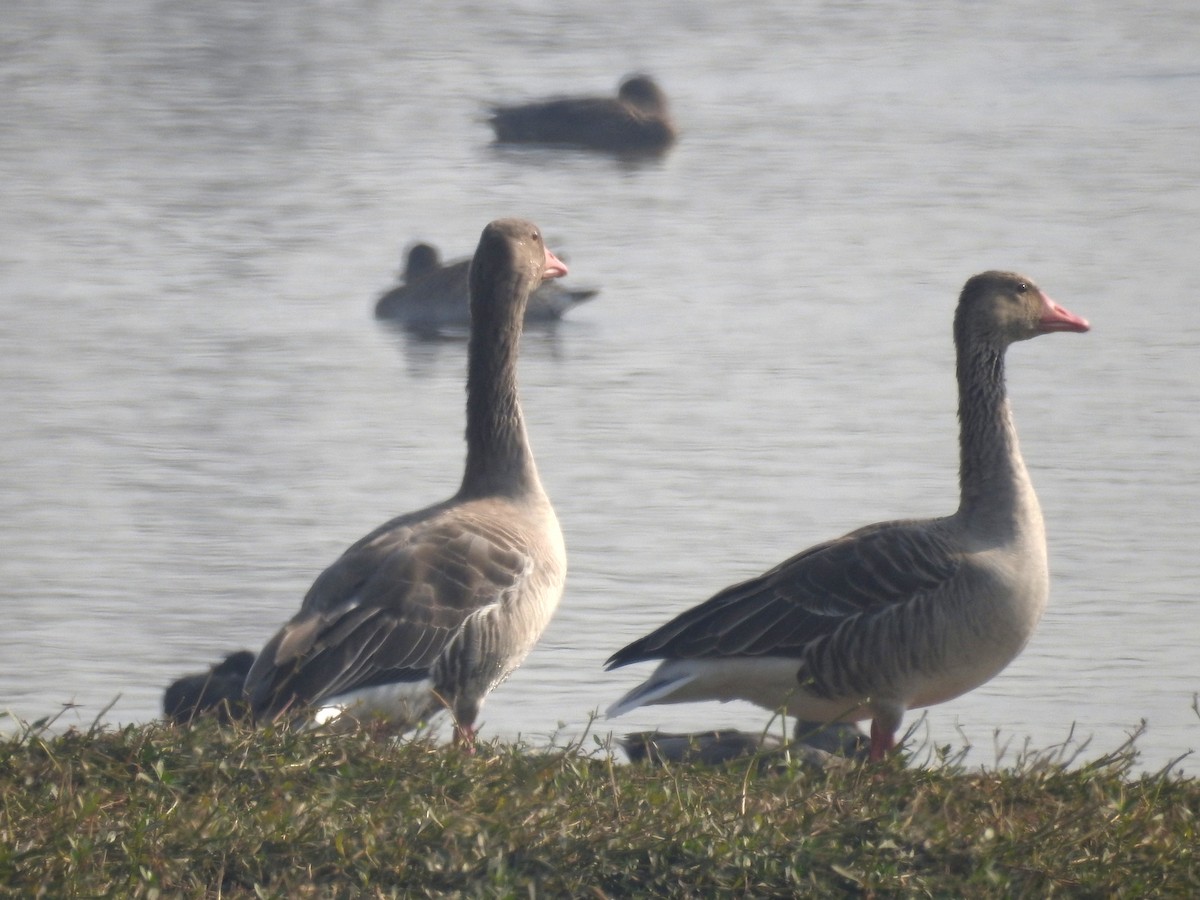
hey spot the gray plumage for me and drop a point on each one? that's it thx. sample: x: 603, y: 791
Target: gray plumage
x: 635, y: 122
x: 435, y: 298
x: 899, y: 614
x: 813, y: 743
x: 433, y: 609
x: 219, y: 692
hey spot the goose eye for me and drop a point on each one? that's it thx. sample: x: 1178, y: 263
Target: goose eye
x: 1022, y: 287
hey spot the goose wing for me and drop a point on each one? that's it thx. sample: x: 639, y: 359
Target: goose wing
x: 389, y: 609
x: 779, y: 613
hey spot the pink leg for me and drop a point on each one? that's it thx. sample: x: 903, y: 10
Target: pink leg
x: 883, y: 739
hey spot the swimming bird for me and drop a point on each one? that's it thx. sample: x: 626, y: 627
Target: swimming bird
x: 435, y: 608
x: 435, y: 298
x: 896, y: 615
x: 635, y: 122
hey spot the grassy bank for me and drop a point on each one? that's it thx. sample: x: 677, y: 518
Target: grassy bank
x: 157, y: 810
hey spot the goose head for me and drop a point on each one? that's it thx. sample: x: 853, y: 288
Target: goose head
x: 510, y: 262
x: 1000, y: 308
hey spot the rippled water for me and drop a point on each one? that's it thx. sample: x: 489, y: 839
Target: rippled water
x: 201, y: 202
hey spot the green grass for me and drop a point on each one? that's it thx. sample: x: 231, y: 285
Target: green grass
x: 158, y: 810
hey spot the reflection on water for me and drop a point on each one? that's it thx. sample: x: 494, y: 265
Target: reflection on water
x: 203, y: 202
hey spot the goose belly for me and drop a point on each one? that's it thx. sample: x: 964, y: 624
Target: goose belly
x: 404, y: 704
x: 975, y: 646
x: 767, y: 681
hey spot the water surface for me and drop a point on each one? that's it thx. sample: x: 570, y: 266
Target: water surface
x: 202, y: 202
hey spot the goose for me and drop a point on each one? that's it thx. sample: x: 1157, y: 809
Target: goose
x: 219, y: 691
x: 635, y: 122
x: 813, y: 742
x: 434, y: 297
x: 897, y: 615
x: 432, y: 610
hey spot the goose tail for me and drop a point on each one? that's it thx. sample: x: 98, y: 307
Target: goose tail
x: 658, y: 689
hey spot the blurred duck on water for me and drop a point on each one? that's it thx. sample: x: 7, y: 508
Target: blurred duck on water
x: 636, y: 122
x: 434, y: 298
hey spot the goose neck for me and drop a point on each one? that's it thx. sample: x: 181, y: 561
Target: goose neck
x: 995, y: 486
x: 499, y: 460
